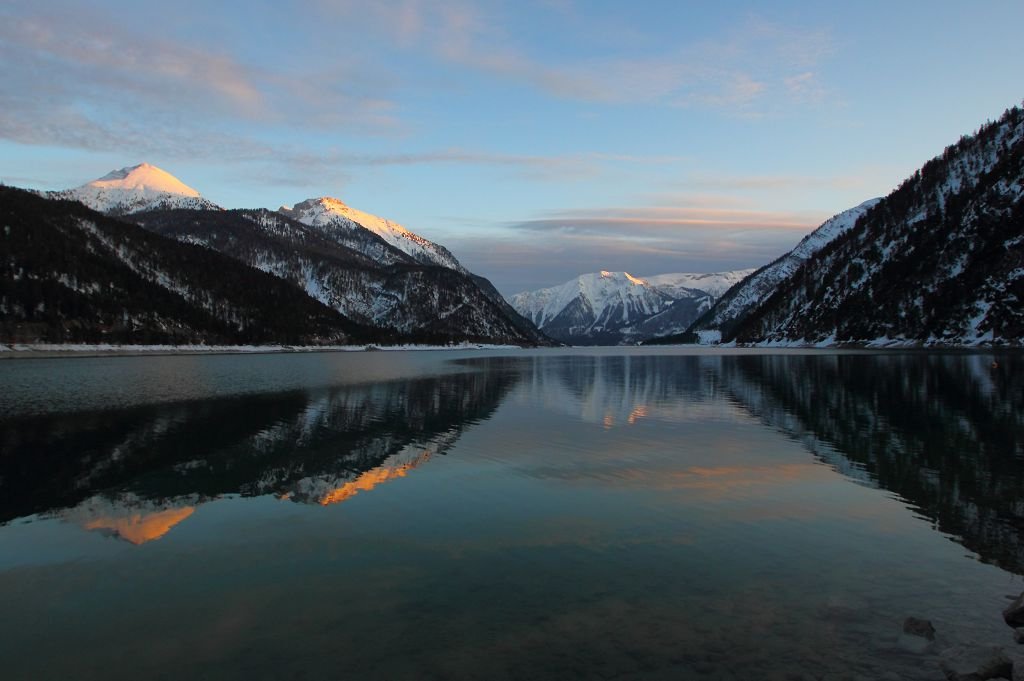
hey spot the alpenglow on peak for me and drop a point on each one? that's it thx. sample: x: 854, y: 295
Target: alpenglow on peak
x: 327, y: 214
x: 134, y: 189
x: 146, y: 177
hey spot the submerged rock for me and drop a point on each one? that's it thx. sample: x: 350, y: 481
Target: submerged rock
x: 918, y: 636
x: 919, y: 627
x: 1018, y: 634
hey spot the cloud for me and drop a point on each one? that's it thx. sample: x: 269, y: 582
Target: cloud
x: 770, y: 183
x: 701, y: 237
x: 84, y: 80
x: 76, y: 55
x: 805, y: 87
x: 732, y: 71
x: 657, y: 221
x: 736, y: 69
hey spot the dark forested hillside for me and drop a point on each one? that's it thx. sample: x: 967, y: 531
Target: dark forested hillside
x: 938, y: 261
x: 70, y: 274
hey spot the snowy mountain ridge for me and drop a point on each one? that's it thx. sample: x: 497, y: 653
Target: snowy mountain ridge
x: 939, y: 261
x: 135, y: 189
x: 600, y: 291
x: 713, y: 283
x: 616, y: 307
x: 760, y: 285
x: 145, y: 187
x: 374, y: 272
x: 333, y: 217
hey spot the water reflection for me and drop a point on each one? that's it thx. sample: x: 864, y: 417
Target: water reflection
x: 944, y: 432
x: 539, y: 515
x: 127, y: 518
x: 134, y: 474
x: 622, y: 390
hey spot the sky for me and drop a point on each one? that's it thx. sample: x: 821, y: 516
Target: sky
x: 536, y: 140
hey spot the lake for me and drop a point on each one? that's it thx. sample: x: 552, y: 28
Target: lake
x: 602, y: 513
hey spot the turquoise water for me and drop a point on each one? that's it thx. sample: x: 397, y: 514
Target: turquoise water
x: 522, y: 515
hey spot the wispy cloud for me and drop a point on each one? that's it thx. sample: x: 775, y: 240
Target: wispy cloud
x: 766, y: 183
x: 74, y: 55
x: 743, y: 65
x: 657, y: 221
x: 648, y: 240
x: 85, y: 81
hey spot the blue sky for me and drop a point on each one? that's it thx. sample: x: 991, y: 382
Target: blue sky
x: 537, y: 140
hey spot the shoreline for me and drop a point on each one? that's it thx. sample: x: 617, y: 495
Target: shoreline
x: 71, y: 350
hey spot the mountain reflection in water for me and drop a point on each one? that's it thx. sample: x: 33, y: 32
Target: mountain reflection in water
x: 592, y: 513
x: 943, y: 431
x: 137, y: 473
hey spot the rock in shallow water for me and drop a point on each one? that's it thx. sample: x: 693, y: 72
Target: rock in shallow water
x: 1014, y: 614
x: 918, y: 636
x: 919, y: 627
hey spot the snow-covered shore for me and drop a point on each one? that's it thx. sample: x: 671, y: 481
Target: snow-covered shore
x: 29, y: 350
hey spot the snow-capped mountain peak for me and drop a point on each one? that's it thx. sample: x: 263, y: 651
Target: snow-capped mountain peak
x: 144, y: 177
x: 713, y: 283
x: 622, y: 276
x: 328, y: 213
x: 616, y: 307
x: 135, y: 189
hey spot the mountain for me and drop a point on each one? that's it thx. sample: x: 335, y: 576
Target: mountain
x: 134, y: 189
x: 71, y: 274
x: 939, y: 261
x: 366, y: 269
x: 393, y: 293
x: 734, y: 304
x: 714, y: 283
x: 336, y: 220
x: 606, y: 308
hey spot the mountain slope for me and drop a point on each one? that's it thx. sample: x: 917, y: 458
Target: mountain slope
x: 366, y: 268
x: 134, y: 189
x: 344, y: 223
x: 525, y: 326
x: 399, y: 296
x: 938, y: 261
x: 71, y: 274
x: 758, y: 286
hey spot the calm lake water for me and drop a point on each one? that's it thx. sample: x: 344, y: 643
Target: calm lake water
x: 662, y: 514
